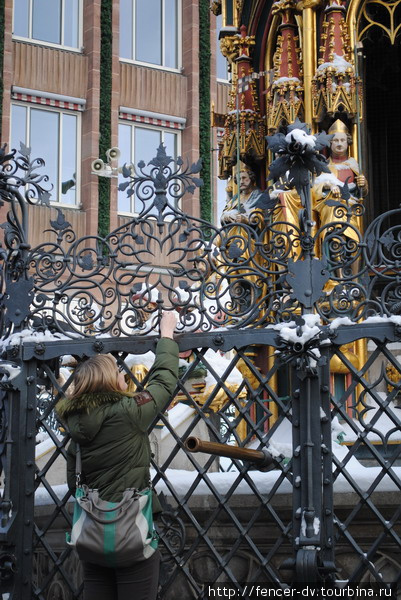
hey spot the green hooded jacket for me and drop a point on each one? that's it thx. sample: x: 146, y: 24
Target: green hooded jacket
x: 111, y: 430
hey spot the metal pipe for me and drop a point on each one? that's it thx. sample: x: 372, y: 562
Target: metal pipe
x: 262, y: 458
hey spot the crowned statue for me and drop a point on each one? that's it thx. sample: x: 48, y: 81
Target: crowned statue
x: 344, y: 185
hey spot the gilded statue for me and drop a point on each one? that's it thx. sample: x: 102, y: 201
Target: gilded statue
x: 286, y: 224
x: 329, y: 197
x: 297, y: 155
x: 251, y: 198
x: 242, y: 221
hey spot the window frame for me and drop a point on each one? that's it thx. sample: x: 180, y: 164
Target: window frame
x: 161, y: 67
x: 133, y: 124
x: 37, y: 106
x: 32, y: 40
x: 219, y: 26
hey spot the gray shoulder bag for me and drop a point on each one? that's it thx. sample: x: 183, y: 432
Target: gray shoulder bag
x: 112, y: 534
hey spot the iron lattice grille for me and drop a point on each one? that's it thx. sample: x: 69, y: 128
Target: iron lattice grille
x: 259, y: 289
x: 227, y: 535
x: 236, y: 410
x: 369, y: 411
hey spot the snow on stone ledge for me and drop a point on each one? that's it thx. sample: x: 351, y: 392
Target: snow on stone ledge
x: 181, y: 481
x: 281, y: 80
x: 42, y: 496
x: 338, y: 63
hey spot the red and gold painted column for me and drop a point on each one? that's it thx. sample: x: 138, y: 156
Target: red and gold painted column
x: 243, y: 106
x: 334, y: 85
x: 286, y: 92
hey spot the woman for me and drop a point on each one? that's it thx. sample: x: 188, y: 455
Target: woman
x: 111, y: 429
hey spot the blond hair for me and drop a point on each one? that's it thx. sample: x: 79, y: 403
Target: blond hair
x: 97, y: 374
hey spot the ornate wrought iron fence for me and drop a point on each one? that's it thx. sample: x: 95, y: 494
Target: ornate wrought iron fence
x: 288, y: 383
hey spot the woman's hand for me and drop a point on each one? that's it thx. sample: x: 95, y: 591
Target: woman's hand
x: 167, y: 324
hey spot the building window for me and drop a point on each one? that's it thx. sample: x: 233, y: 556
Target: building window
x: 149, y: 32
x: 52, y: 135
x: 221, y: 61
x: 53, y: 22
x: 140, y: 143
x: 221, y: 198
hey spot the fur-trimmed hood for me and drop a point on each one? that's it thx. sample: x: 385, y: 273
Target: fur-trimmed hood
x: 111, y: 430
x: 84, y: 415
x: 85, y: 403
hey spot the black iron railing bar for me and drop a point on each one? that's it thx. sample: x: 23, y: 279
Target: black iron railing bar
x: 244, y: 535
x: 41, y: 473
x: 361, y: 435
x: 374, y: 549
x: 384, y: 521
x: 343, y: 530
x: 381, y: 404
x: 362, y: 440
x: 181, y: 439
x: 222, y: 504
x: 55, y: 567
x: 50, y: 491
x: 60, y: 389
x: 59, y: 510
x: 58, y: 562
x: 364, y: 501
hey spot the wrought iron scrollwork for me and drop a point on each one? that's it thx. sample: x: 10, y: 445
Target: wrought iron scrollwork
x: 20, y: 183
x: 244, y: 275
x: 171, y: 530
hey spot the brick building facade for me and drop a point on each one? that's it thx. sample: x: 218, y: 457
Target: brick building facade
x: 56, y: 93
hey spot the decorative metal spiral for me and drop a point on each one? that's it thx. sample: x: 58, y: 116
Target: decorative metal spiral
x: 240, y: 275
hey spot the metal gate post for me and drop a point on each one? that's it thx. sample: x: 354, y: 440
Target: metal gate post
x: 17, y: 503
x: 313, y: 485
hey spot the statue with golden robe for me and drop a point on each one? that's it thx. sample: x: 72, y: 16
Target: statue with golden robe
x: 242, y: 222
x: 251, y: 199
x: 286, y: 226
x: 331, y: 203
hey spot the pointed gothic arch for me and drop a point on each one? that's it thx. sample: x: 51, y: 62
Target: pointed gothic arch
x: 283, y: 64
x: 375, y: 27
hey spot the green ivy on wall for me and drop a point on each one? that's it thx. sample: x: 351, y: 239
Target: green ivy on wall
x: 105, y: 111
x: 1, y: 62
x: 204, y: 110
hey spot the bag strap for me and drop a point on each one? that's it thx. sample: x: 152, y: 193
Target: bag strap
x: 78, y: 466
x: 129, y: 495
